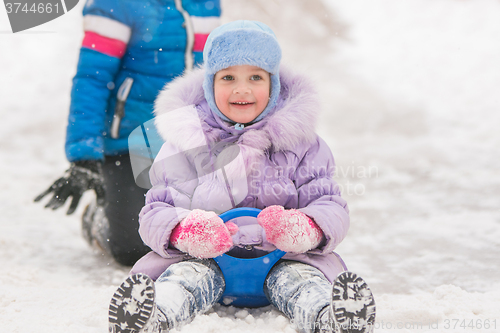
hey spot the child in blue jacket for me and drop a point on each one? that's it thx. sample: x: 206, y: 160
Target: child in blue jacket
x: 130, y: 49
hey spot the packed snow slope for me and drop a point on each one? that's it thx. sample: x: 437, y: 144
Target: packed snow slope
x: 411, y: 110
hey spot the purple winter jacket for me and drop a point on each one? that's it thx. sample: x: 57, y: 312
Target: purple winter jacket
x: 207, y: 164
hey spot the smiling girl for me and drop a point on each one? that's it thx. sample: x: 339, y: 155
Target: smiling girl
x: 242, y: 101
x: 242, y: 92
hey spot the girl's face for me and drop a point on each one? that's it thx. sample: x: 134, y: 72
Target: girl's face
x: 242, y: 92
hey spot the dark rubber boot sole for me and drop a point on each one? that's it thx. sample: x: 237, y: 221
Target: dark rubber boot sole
x: 132, y: 305
x: 353, y: 305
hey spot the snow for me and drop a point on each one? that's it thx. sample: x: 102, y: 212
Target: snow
x: 411, y: 110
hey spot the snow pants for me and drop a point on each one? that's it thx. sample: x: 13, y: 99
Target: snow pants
x: 118, y: 220
x: 192, y: 287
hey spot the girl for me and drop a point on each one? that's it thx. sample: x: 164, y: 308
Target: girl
x: 240, y: 133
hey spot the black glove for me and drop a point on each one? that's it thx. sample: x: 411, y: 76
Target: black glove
x: 81, y: 176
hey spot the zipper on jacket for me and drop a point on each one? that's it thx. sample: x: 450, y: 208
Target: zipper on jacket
x: 121, y: 99
x: 188, y: 55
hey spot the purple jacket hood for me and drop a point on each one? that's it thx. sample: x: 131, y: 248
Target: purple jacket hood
x: 290, y: 124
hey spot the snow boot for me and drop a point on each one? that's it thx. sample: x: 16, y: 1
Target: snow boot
x: 87, y: 217
x: 352, y: 309
x: 133, y: 310
x: 95, y: 227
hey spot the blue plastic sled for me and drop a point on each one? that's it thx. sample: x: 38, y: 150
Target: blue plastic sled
x: 245, y: 277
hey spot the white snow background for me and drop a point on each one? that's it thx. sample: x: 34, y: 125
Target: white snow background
x: 411, y: 100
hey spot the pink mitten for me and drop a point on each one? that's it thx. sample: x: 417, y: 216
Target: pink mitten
x: 289, y: 230
x: 203, y: 234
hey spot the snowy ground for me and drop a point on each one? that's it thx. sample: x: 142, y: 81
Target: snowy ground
x: 411, y: 111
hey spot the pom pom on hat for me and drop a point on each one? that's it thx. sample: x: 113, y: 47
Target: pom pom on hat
x: 242, y: 43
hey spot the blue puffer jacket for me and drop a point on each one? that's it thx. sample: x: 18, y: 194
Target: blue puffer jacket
x: 145, y: 43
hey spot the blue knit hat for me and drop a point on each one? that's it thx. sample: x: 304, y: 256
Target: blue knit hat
x: 242, y: 43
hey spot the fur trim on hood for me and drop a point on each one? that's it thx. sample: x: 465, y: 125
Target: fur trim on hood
x: 292, y: 122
